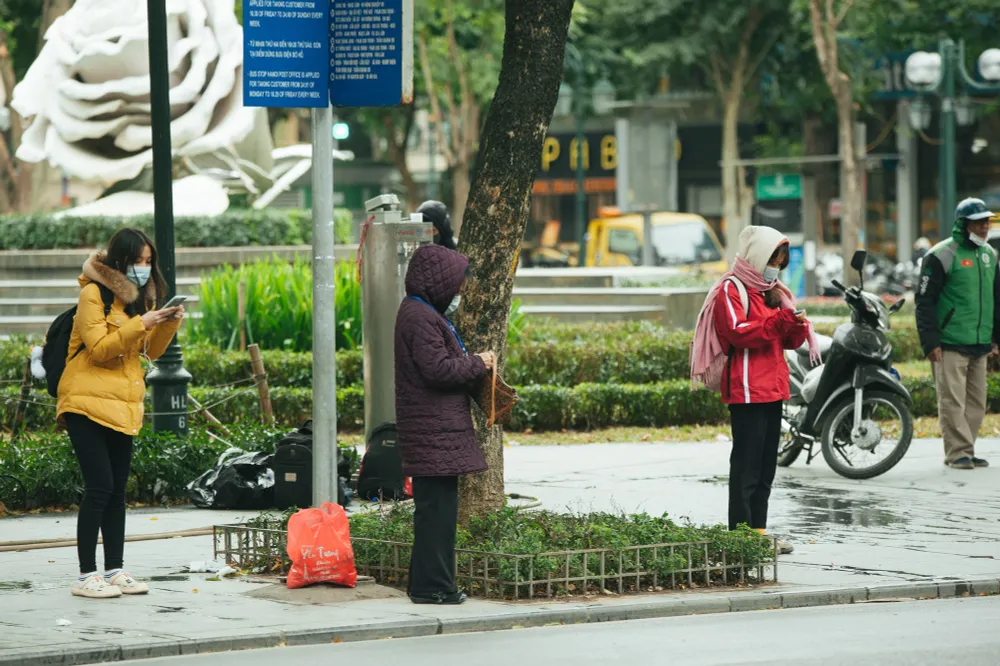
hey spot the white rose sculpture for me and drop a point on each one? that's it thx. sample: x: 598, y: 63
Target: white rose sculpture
x: 88, y: 90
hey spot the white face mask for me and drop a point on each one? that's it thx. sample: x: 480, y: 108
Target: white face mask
x: 139, y: 275
x: 453, y: 306
x: 771, y: 274
x: 978, y: 240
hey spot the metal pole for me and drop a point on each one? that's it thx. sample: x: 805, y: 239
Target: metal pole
x: 906, y: 184
x: 581, y: 152
x: 324, y: 314
x: 169, y: 379
x: 432, y: 189
x: 647, y: 236
x: 947, y: 163
x: 810, y: 230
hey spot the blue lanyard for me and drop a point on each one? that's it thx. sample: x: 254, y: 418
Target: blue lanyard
x: 448, y: 321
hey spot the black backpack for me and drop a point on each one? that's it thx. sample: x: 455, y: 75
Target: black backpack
x: 381, y: 475
x: 56, y: 349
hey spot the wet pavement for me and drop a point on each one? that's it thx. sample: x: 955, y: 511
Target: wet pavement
x: 920, y: 520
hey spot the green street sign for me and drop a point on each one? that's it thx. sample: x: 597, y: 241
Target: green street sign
x: 779, y: 186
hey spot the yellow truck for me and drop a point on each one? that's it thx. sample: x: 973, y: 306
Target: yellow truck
x: 680, y: 240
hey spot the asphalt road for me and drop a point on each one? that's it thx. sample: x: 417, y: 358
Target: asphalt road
x: 961, y: 632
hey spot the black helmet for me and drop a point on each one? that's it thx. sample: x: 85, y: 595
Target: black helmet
x: 972, y: 209
x: 436, y: 213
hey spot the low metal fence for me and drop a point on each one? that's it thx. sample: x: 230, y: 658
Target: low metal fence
x: 529, y: 576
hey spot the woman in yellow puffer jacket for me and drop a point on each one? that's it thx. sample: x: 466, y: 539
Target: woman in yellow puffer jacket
x: 100, y: 396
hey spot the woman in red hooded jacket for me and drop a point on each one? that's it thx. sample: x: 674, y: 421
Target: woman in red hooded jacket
x: 749, y: 319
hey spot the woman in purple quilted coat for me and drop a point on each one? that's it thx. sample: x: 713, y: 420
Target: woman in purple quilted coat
x: 435, y: 378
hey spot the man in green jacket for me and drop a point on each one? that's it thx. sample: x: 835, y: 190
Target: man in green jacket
x: 958, y: 318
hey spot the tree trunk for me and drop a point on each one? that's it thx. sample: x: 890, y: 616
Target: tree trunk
x: 499, y: 205
x: 853, y: 207
x: 731, y: 209
x: 15, y: 174
x: 460, y: 185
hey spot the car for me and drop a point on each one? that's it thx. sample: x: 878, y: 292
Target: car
x: 680, y: 240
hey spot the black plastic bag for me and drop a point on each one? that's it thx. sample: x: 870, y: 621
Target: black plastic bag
x: 240, y: 480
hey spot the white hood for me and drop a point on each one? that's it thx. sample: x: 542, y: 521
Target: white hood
x: 757, y: 244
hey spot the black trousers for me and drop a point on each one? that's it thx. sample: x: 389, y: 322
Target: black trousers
x: 753, y: 461
x: 435, y: 521
x: 105, y: 459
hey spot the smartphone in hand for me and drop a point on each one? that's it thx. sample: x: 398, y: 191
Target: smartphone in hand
x: 174, y: 302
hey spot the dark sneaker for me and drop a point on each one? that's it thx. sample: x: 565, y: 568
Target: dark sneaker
x: 961, y: 463
x: 441, y: 599
x: 980, y: 462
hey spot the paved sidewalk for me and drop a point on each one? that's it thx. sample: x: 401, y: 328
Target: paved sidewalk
x: 922, y: 531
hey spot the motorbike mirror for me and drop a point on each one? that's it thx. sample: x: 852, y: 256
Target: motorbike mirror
x: 897, y: 306
x: 859, y: 260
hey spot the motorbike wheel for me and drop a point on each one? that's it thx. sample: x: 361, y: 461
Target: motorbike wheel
x: 788, y: 450
x: 837, y: 434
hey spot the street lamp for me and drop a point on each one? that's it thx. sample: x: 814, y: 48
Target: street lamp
x: 937, y: 74
x: 169, y: 379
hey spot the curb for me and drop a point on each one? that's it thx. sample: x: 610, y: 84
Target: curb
x: 415, y: 627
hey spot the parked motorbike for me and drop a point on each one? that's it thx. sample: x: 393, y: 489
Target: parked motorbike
x: 854, y: 404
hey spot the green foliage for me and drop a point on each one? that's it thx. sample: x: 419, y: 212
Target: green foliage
x: 556, y: 355
x: 537, y: 533
x: 694, y: 42
x: 278, y: 305
x: 21, y: 20
x: 234, y: 228
x: 479, y: 31
x: 516, y: 322
x: 162, y: 465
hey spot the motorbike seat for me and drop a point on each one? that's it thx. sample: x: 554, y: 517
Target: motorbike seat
x: 824, y: 348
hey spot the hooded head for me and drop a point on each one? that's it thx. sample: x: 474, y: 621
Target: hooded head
x: 435, y: 275
x: 436, y: 213
x: 974, y: 213
x: 758, y: 244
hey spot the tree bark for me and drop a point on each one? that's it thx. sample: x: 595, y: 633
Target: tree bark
x: 736, y: 200
x: 460, y: 186
x: 731, y: 209
x: 499, y: 205
x: 15, y: 174
x: 825, y: 21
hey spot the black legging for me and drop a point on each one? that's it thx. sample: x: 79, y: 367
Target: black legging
x: 105, y: 459
x: 753, y: 461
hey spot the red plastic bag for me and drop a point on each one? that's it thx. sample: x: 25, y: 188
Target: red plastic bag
x: 408, y: 487
x: 319, y: 546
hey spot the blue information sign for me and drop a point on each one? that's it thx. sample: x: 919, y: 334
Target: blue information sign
x: 795, y: 274
x: 371, y: 61
x: 286, y: 46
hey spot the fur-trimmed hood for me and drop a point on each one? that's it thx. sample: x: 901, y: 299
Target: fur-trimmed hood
x: 95, y: 270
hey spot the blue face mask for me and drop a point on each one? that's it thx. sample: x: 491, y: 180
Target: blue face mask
x: 771, y: 274
x: 139, y: 275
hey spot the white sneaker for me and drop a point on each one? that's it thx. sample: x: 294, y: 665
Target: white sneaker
x: 129, y: 585
x: 95, y: 587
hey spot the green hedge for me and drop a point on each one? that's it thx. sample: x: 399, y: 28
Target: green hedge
x: 637, y: 358
x: 541, y: 408
x: 42, y: 231
x: 162, y: 465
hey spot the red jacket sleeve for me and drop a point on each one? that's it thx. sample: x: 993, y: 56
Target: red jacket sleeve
x: 732, y: 325
x: 795, y: 335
